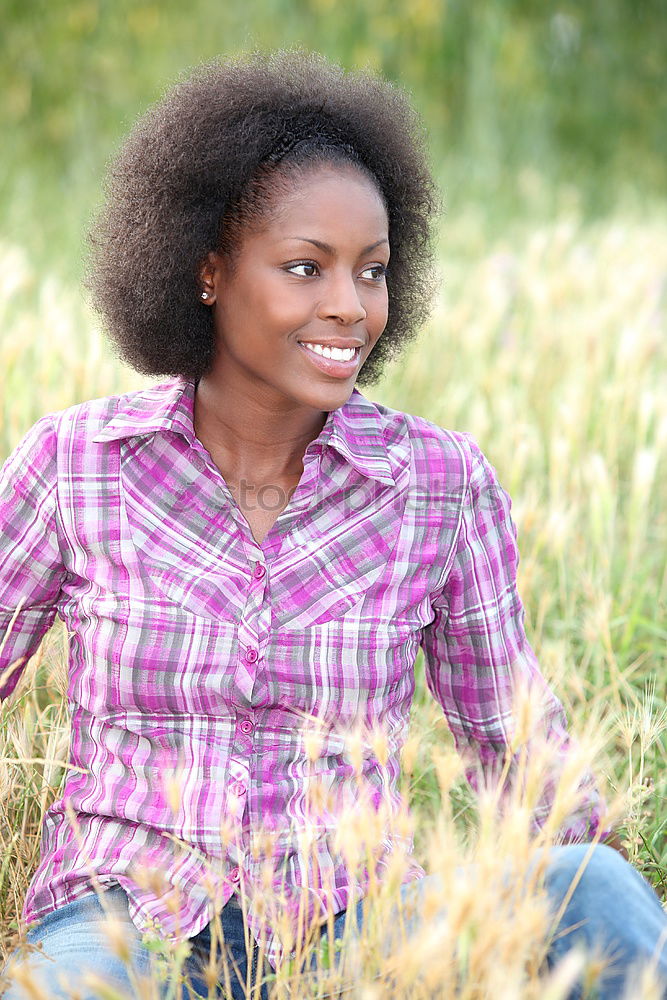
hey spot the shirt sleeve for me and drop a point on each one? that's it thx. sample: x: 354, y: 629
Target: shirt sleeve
x: 478, y: 658
x: 31, y: 566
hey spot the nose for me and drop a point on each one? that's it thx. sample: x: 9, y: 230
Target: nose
x: 341, y: 300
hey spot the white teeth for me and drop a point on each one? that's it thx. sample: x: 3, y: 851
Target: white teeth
x: 335, y: 353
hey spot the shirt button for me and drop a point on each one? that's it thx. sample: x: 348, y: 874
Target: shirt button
x: 250, y: 655
x: 235, y: 874
x: 238, y: 788
x: 246, y: 726
x: 259, y: 571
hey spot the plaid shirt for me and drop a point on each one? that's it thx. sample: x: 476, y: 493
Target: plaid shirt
x: 196, y: 653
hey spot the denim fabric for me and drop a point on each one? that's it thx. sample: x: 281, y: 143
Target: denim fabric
x: 611, y: 911
x: 74, y: 940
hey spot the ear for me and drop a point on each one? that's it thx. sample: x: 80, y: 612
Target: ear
x: 209, y: 274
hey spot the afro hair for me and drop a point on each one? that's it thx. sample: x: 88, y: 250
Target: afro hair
x: 193, y: 174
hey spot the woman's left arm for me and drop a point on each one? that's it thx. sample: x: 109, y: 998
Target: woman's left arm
x: 31, y: 563
x: 479, y: 663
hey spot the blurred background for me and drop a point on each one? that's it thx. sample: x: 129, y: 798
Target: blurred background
x: 527, y: 102
x: 547, y: 125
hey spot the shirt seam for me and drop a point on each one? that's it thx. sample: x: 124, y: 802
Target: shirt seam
x: 447, y: 570
x: 58, y: 518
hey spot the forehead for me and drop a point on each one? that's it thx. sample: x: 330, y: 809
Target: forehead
x: 339, y: 199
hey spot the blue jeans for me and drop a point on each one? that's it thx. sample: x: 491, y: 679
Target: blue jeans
x: 612, y: 910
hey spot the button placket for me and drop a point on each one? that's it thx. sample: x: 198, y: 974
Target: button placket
x: 238, y: 782
x: 254, y: 626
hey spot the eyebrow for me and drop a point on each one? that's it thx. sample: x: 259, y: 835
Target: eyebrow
x: 330, y: 250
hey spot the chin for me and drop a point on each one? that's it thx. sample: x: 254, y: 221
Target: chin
x: 330, y: 397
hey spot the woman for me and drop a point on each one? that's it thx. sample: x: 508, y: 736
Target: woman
x: 252, y: 543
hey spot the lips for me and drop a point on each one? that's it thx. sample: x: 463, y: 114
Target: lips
x: 335, y: 342
x: 330, y: 366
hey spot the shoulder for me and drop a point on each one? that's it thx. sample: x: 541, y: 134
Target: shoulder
x: 77, y: 427
x: 436, y: 452
x: 93, y: 415
x: 95, y: 423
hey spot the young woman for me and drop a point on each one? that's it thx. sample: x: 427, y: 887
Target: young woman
x: 252, y: 542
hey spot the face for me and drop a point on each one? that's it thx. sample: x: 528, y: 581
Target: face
x: 309, y: 283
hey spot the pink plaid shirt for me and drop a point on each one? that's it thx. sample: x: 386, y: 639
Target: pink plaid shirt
x: 196, y: 653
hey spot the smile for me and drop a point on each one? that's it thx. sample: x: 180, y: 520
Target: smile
x: 339, y: 362
x: 337, y: 353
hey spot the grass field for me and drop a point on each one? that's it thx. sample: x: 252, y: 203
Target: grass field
x: 549, y: 344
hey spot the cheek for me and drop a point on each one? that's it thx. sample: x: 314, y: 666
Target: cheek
x: 266, y: 309
x: 282, y: 314
x: 378, y: 313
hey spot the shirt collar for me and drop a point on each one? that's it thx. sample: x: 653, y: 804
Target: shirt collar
x: 354, y: 430
x: 165, y: 407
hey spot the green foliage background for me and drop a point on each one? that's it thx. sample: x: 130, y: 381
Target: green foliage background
x: 574, y: 92
x: 548, y: 132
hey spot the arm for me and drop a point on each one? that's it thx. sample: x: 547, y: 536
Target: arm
x: 31, y: 568
x: 478, y: 657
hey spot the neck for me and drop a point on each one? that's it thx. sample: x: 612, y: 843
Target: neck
x: 255, y: 438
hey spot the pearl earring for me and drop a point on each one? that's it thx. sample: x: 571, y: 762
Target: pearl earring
x: 204, y: 295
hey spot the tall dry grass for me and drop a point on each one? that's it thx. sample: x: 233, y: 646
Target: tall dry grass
x: 549, y: 345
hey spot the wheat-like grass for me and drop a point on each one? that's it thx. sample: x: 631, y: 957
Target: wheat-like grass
x: 549, y: 345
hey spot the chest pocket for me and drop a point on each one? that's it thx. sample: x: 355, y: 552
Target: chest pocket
x: 342, y: 670
x: 330, y: 569
x: 187, y: 543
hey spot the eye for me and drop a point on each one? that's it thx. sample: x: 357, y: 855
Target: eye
x: 308, y: 268
x: 376, y: 272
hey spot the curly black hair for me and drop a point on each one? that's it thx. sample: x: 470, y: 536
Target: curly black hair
x: 192, y: 176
